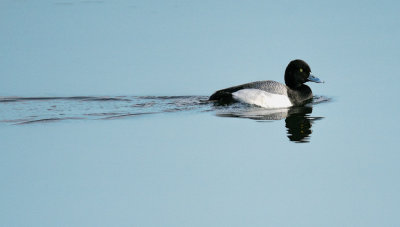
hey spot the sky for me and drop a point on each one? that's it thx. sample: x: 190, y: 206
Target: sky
x: 185, y: 47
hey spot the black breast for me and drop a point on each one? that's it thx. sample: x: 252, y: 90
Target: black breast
x: 300, y: 95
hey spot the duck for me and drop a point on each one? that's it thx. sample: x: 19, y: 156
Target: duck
x: 272, y: 94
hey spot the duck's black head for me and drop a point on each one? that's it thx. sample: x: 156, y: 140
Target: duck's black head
x: 297, y: 73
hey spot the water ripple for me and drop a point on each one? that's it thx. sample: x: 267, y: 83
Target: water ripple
x: 30, y: 110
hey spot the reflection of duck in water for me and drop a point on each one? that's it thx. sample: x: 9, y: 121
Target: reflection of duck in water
x: 297, y: 119
x: 298, y: 124
x: 271, y: 94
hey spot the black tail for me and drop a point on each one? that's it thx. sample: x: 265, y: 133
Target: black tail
x: 222, y: 97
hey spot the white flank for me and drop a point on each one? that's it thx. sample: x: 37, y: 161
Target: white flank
x: 262, y: 98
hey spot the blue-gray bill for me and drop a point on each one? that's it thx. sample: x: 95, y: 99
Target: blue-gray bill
x: 312, y: 78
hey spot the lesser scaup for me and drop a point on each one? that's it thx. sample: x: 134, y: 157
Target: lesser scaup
x: 271, y: 94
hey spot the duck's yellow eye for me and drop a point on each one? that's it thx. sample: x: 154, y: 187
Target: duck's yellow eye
x: 301, y: 70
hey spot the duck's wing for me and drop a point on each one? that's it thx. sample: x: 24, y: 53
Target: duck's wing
x: 225, y: 95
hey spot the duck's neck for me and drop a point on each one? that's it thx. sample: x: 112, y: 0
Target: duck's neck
x: 300, y: 95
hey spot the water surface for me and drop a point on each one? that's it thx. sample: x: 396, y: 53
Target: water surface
x: 94, y: 130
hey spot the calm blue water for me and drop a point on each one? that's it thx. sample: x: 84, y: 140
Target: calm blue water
x: 104, y: 119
